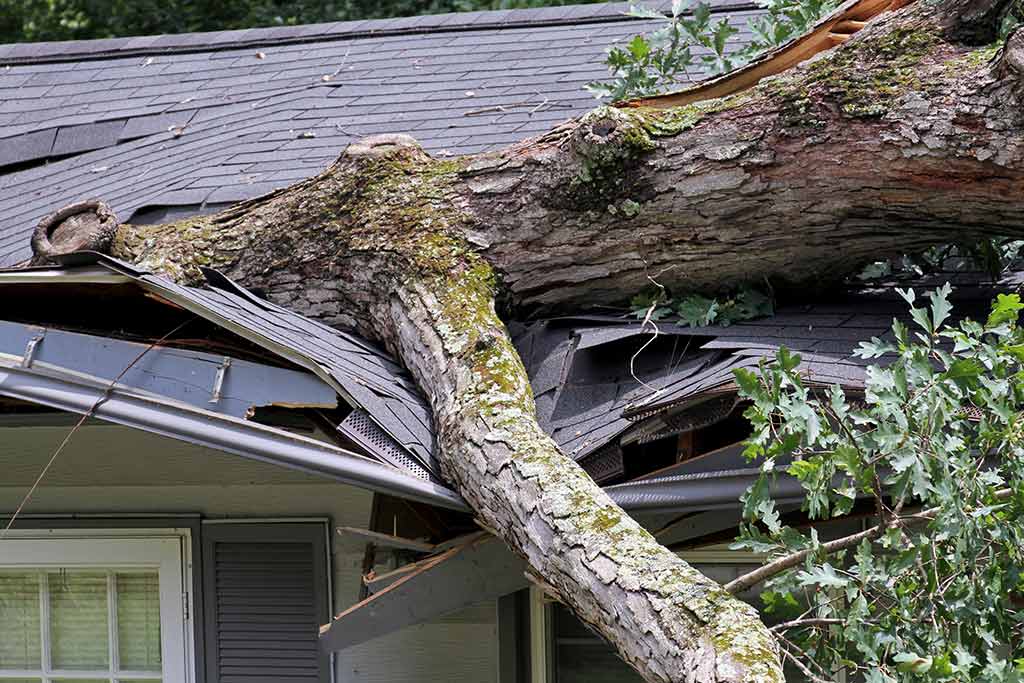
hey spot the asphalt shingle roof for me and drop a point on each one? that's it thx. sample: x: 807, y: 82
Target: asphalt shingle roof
x: 165, y: 125
x: 601, y: 382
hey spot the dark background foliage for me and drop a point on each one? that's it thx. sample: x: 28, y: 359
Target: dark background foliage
x: 34, y: 20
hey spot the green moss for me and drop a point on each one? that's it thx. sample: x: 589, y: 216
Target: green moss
x: 177, y: 249
x: 614, y: 145
x: 398, y: 203
x: 973, y: 60
x: 754, y: 649
x: 668, y: 122
x: 864, y: 77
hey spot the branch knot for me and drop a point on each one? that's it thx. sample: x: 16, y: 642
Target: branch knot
x: 376, y: 146
x: 83, y: 226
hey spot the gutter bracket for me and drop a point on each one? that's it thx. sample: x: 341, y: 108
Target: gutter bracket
x: 30, y: 350
x: 218, y: 382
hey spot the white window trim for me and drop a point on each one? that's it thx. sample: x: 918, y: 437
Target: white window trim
x: 168, y: 550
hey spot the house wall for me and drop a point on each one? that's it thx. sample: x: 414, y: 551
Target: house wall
x: 108, y: 470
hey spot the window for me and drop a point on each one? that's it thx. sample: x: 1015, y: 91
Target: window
x: 92, y: 610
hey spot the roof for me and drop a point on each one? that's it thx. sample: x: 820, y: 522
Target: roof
x: 169, y: 394
x: 165, y: 126
x: 250, y: 111
x: 603, y: 384
x: 390, y: 418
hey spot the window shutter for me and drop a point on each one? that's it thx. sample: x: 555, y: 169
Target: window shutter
x: 265, y: 597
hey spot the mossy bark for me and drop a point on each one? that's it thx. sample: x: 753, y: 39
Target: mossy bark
x: 898, y: 139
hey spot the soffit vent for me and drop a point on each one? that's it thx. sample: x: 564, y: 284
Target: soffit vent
x: 360, y: 428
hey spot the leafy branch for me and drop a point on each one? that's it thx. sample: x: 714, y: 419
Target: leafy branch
x: 689, y: 40
x: 930, y: 591
x: 695, y: 310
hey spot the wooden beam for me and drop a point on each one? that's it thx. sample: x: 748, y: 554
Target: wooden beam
x: 481, y: 568
x: 386, y: 540
x: 849, y: 26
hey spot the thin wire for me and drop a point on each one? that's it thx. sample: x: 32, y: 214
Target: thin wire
x: 85, y: 416
x: 649, y: 320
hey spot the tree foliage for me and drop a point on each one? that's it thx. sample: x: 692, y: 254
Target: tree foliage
x: 689, y: 42
x: 36, y: 20
x: 697, y: 310
x: 932, y: 590
x: 655, y: 62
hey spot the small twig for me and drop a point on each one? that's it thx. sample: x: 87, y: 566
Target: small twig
x: 806, y: 623
x: 329, y: 77
x: 544, y: 104
x: 648, y: 319
x: 800, y: 665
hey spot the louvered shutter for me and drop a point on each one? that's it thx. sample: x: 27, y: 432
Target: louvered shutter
x: 265, y: 597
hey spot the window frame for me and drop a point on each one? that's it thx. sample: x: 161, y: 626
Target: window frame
x: 166, y: 549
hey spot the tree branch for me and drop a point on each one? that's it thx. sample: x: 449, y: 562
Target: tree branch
x: 806, y: 623
x: 765, y: 572
x: 411, y: 251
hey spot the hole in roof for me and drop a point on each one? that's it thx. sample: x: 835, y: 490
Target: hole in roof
x: 154, y: 214
x: 29, y: 164
x: 123, y: 311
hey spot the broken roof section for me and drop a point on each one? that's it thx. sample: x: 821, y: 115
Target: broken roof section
x: 605, y: 386
x: 611, y: 389
x: 389, y: 417
x: 613, y: 392
x: 165, y: 126
x: 654, y: 415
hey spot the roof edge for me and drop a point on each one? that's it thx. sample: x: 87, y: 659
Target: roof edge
x: 211, y: 41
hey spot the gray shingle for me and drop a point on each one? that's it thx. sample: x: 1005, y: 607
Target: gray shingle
x: 139, y: 126
x: 72, y: 139
x: 25, y: 147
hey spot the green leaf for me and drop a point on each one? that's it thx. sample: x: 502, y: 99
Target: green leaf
x: 964, y: 369
x: 679, y: 7
x: 697, y: 311
x: 639, y: 47
x: 751, y: 303
x: 920, y: 316
x: 824, y: 576
x: 940, y: 305
x: 643, y: 303
x: 644, y: 12
x: 874, y: 348
x: 723, y: 31
x: 804, y: 469
x: 1005, y: 309
x: 747, y: 380
x: 908, y: 662
x: 788, y: 360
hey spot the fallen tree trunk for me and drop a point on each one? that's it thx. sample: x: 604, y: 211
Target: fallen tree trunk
x: 907, y: 135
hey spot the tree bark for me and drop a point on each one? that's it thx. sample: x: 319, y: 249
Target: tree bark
x: 902, y: 137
